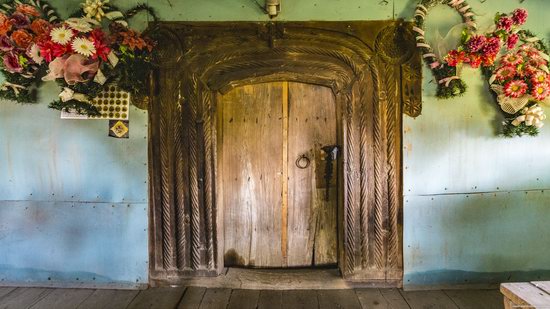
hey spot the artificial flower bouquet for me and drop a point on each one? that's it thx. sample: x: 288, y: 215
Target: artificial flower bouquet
x: 22, y: 26
x: 81, y: 53
x: 520, y: 78
x: 478, y: 50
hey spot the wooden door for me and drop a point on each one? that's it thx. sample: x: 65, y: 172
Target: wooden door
x: 277, y: 212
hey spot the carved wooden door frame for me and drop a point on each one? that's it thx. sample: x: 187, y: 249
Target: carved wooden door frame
x: 375, y: 75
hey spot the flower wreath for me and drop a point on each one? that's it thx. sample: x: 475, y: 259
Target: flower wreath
x: 520, y: 81
x: 83, y: 53
x: 445, y: 73
x: 519, y: 78
x: 21, y: 25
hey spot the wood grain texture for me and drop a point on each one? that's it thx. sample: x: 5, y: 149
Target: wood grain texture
x: 473, y: 299
x: 252, y: 169
x: 193, y: 96
x: 311, y: 219
x: 543, y: 285
x: 321, y: 53
x: 167, y: 176
x: 372, y: 299
x: 192, y: 298
x: 23, y: 297
x: 300, y: 299
x: 428, y: 299
x: 243, y: 299
x: 63, y: 299
x: 525, y: 293
x: 157, y: 298
x: 334, y: 299
x: 5, y: 291
x: 215, y: 299
x: 112, y: 299
x: 394, y: 298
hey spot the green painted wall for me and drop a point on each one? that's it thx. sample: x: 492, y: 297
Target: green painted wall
x: 475, y: 208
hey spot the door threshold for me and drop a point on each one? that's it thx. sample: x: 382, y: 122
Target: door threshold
x: 281, y: 279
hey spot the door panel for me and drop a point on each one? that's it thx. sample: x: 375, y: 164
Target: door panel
x: 252, y: 152
x: 311, y: 218
x: 276, y: 213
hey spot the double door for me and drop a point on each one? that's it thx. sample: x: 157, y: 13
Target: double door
x: 278, y: 175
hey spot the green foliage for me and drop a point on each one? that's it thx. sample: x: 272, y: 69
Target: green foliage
x: 82, y: 108
x: 509, y: 130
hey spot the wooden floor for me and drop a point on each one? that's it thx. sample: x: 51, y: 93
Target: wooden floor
x: 194, y: 297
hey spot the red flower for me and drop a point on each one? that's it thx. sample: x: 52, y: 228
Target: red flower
x: 50, y: 50
x: 505, y: 23
x: 100, y: 43
x: 515, y: 88
x: 455, y: 57
x: 512, y: 40
x: 492, y: 47
x: 488, y: 59
x: 475, y: 61
x: 519, y: 16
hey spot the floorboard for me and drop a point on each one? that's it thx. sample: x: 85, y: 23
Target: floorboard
x: 394, y: 298
x: 215, y: 299
x: 372, y: 299
x: 296, y: 299
x: 63, y: 299
x: 244, y: 299
x: 270, y: 299
x: 429, y: 300
x: 112, y: 299
x: 192, y: 298
x: 332, y: 299
x: 5, y: 291
x: 23, y: 297
x: 157, y: 298
x: 474, y: 299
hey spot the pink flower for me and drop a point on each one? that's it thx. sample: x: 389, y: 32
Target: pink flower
x: 505, y: 23
x: 11, y: 63
x: 5, y: 43
x: 540, y: 91
x: 492, y: 47
x: 512, y: 59
x: 515, y: 88
x: 512, y: 40
x: 476, y: 43
x: 519, y: 16
x: 539, y: 77
x: 74, y: 68
x: 529, y: 70
x: 505, y: 73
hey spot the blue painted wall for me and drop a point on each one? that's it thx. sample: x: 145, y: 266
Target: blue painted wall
x: 73, y: 202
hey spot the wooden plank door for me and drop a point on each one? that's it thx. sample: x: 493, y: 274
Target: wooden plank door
x: 312, y: 234
x: 275, y: 213
x: 251, y: 128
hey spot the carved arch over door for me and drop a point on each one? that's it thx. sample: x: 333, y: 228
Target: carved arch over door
x: 374, y: 73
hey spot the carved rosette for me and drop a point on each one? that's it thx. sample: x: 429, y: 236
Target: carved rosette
x: 215, y: 57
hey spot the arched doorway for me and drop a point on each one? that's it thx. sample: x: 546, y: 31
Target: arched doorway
x: 372, y: 86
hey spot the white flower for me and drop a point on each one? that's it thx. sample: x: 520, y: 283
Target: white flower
x: 67, y: 94
x: 83, y: 46
x: 79, y: 24
x: 61, y: 35
x: 34, y: 54
x: 94, y: 8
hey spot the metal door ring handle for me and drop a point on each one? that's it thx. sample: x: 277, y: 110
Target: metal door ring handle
x: 303, y: 162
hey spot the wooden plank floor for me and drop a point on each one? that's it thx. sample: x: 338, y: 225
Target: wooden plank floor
x: 204, y: 298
